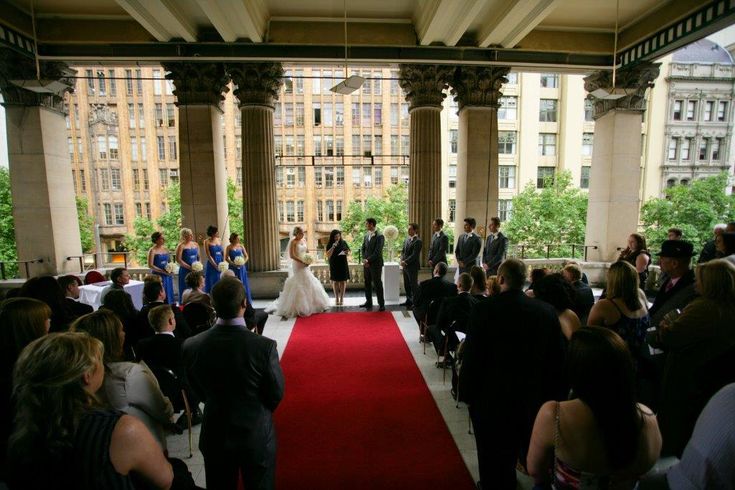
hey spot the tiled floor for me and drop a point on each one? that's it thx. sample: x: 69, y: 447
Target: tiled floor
x: 457, y: 419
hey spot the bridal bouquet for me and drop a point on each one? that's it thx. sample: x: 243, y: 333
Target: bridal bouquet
x: 223, y: 266
x: 239, y: 261
x: 307, y: 259
x: 171, y: 268
x: 197, y: 266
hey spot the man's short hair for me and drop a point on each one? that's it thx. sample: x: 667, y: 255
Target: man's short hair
x: 66, y: 281
x: 151, y: 291
x: 371, y: 221
x: 676, y: 231
x: 158, y: 317
x: 574, y: 271
x: 465, y: 281
x: 415, y: 226
x: 495, y: 220
x: 514, y: 273
x: 471, y: 222
x: 441, y: 269
x: 439, y: 222
x: 228, y: 296
x: 116, y: 274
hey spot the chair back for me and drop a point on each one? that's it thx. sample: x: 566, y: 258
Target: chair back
x: 93, y: 277
x: 199, y: 317
x: 170, y: 385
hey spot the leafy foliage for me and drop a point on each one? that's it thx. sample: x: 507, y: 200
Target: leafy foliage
x: 234, y: 208
x: 86, y: 225
x: 8, y: 251
x: 695, y: 209
x: 557, y: 215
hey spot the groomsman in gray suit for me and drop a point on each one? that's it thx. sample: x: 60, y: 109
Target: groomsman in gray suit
x: 439, y: 243
x: 468, y: 246
x: 372, y: 260
x: 410, y: 261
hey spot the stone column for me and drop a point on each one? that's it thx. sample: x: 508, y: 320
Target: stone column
x: 199, y: 89
x: 423, y: 86
x: 477, y: 91
x: 41, y: 184
x: 615, y: 177
x: 257, y: 90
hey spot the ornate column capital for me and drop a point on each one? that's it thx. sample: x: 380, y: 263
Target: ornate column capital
x: 197, y: 83
x: 424, y: 84
x: 478, y: 85
x: 631, y: 82
x: 256, y: 83
x: 20, y: 84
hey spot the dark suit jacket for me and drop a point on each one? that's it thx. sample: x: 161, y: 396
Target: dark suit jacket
x: 709, y: 252
x: 438, y: 248
x: 143, y: 328
x: 513, y: 361
x: 255, y: 318
x: 411, y: 252
x: 584, y: 300
x: 456, y: 309
x: 237, y: 375
x: 372, y: 250
x: 163, y: 350
x: 467, y: 249
x: 678, y: 296
x: 494, y: 252
x: 429, y: 290
x: 76, y: 309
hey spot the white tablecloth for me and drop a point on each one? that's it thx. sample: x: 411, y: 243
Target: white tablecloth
x: 90, y: 294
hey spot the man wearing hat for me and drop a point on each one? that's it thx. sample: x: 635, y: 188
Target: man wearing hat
x: 678, y: 290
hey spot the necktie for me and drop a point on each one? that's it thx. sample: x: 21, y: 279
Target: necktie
x: 669, y: 285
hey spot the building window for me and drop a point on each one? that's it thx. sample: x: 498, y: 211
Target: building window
x: 156, y: 82
x: 505, y: 209
x: 129, y: 82
x: 545, y: 177
x: 393, y: 175
x: 507, y: 176
x: 676, y: 116
x: 394, y: 115
x: 367, y: 176
x: 589, y: 110
x: 102, y: 147
x: 670, y: 183
x: 338, y: 210
x: 404, y: 115
x: 703, y: 148
x: 82, y: 181
x: 709, y: 107
x: 340, y: 176
x: 113, y: 84
x: 452, y: 210
x: 119, y: 214
x: 673, y: 148
x: 172, y: 147
x: 691, y: 110
x: 684, y: 182
x: 512, y: 78
x: 367, y: 145
x: 170, y: 115
x: 133, y: 148
x: 141, y: 116
x: 453, y: 140
x: 508, y: 110
x: 547, y: 144
x: 549, y: 80
x: 114, y: 153
x: 290, y: 212
x: 587, y: 142
x: 108, y: 213
x: 721, y: 110
x: 143, y: 149
x: 355, y: 114
x: 405, y: 174
x: 138, y: 83
x: 356, y: 176
x: 300, y: 211
x: 116, y: 181
x: 584, y: 180
x: 319, y: 211
x: 378, y: 176
x: 159, y: 115
x: 131, y: 116
x: 405, y: 148
x: 90, y: 82
x: 161, y: 147
x: 138, y: 209
x: 101, y: 82
x: 366, y: 112
x: 145, y: 185
x: 686, y: 145
x: 290, y: 177
x: 301, y: 171
x: 279, y: 176
x: 136, y: 180
x: 507, y: 142
x: 716, y: 145
x: 547, y: 112
x: 70, y: 147
x: 163, y: 177
x: 452, y: 176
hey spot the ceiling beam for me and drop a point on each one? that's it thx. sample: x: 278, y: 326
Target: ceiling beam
x: 508, y: 27
x: 162, y: 18
x: 445, y: 21
x: 237, y: 19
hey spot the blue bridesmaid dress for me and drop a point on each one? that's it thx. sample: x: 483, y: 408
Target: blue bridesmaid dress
x: 241, y: 272
x: 212, y: 275
x: 188, y: 255
x: 161, y: 261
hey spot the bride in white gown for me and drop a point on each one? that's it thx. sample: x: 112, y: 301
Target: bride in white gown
x: 302, y: 294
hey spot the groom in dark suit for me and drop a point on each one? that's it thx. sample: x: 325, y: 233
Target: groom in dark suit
x: 372, y: 260
x: 439, y: 243
x: 495, y: 247
x: 410, y: 261
x: 468, y: 246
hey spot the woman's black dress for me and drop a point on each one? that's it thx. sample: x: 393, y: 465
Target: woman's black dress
x: 338, y: 268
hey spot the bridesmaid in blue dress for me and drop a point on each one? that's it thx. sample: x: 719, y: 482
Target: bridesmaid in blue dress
x: 186, y: 254
x: 158, y: 259
x: 213, y: 249
x: 234, y: 250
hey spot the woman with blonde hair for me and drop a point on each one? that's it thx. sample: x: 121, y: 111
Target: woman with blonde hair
x: 493, y: 285
x: 62, y: 437
x: 129, y: 386
x: 187, y: 252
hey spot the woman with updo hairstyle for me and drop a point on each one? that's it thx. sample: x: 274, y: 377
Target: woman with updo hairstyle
x: 121, y: 304
x: 63, y: 438
x: 479, y: 282
x: 234, y: 250
x: 601, y: 438
x: 129, y: 386
x: 195, y: 290
x: 215, y: 255
x: 158, y: 261
x: 187, y: 252
x: 556, y: 291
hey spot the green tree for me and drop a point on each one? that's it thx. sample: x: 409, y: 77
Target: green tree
x: 8, y: 251
x: 169, y: 223
x: 556, y: 215
x: 695, y: 209
x: 86, y: 225
x: 390, y: 209
x: 234, y: 207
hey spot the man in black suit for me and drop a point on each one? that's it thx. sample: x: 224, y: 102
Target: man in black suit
x: 255, y: 318
x: 512, y: 364
x: 584, y: 298
x: 709, y: 251
x: 496, y: 246
x: 237, y: 374
x: 410, y: 261
x: 678, y: 291
x: 439, y: 243
x: 434, y: 289
x: 70, y: 285
x: 372, y: 260
x: 468, y: 246
x: 154, y: 295
x: 454, y: 315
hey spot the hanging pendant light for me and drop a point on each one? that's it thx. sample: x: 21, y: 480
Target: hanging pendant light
x: 350, y: 83
x: 612, y: 93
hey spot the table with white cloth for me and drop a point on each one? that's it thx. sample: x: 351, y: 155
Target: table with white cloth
x: 91, y: 294
x: 391, y: 281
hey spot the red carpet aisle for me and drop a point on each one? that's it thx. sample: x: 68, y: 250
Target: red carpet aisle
x: 357, y: 413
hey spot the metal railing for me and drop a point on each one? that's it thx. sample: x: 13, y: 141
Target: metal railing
x: 524, y: 250
x: 25, y: 263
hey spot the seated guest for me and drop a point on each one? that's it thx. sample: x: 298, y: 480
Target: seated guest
x: 128, y: 386
x: 121, y: 304
x: 709, y: 250
x: 154, y: 295
x: 22, y: 320
x: 434, y: 289
x: 47, y: 289
x: 584, y: 298
x: 703, y: 332
x: 708, y: 458
x: 493, y: 286
x: 195, y: 292
x: 535, y: 276
x: 70, y: 286
x: 574, y: 262
x: 479, y: 286
x: 678, y: 291
x: 255, y: 318
x: 602, y: 438
x: 120, y: 277
x: 725, y: 243
x: 72, y: 442
x: 557, y: 292
x: 454, y: 314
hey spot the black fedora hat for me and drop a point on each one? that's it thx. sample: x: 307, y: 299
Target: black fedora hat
x: 676, y: 248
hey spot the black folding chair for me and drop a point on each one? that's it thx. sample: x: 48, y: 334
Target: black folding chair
x: 199, y: 317
x: 172, y: 388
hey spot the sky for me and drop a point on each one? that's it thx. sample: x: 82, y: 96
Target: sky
x: 724, y: 38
